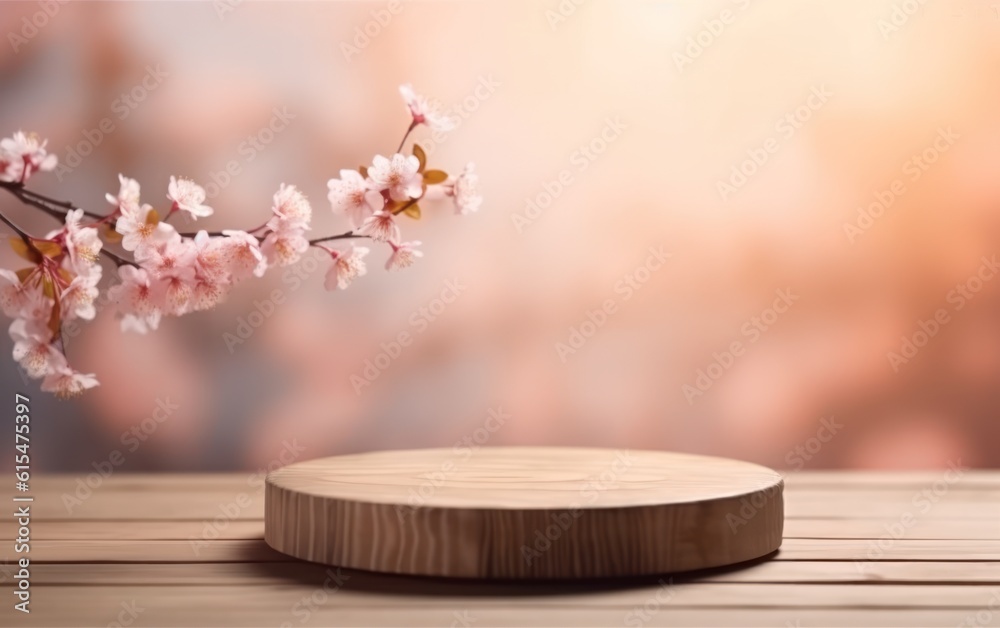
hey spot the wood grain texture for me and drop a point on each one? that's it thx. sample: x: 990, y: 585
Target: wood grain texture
x: 524, y: 512
x: 132, y: 544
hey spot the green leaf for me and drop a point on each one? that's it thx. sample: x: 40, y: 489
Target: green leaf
x: 413, y: 211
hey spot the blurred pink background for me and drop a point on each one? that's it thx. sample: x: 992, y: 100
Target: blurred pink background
x: 839, y: 102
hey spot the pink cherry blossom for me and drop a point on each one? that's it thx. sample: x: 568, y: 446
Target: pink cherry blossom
x: 77, y: 299
x: 353, y: 195
x: 381, y: 227
x: 172, y: 273
x: 33, y: 348
x: 465, y: 191
x: 425, y: 111
x: 137, y: 299
x: 22, y: 155
x: 398, y: 174
x: 291, y: 207
x: 403, y: 255
x: 128, y: 193
x: 188, y: 196
x: 83, y: 244
x: 286, y: 242
x: 244, y: 255
x: 138, y: 231
x: 15, y: 297
x: 174, y: 257
x: 207, y: 293
x: 346, y: 266
x: 66, y: 382
x: 11, y: 167
x: 211, y: 257
x: 33, y: 305
x: 172, y: 263
x: 284, y: 246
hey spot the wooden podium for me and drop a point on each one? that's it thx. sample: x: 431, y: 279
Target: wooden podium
x: 524, y: 512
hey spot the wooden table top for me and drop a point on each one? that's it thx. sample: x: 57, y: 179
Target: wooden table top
x: 860, y: 549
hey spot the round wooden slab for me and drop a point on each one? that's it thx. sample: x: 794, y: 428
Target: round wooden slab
x: 524, y: 512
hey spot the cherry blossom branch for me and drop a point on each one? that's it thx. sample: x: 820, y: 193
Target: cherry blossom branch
x: 38, y: 201
x: 342, y: 236
x: 42, y: 202
x: 118, y: 259
x: 175, y: 273
x: 19, y: 231
x: 413, y: 125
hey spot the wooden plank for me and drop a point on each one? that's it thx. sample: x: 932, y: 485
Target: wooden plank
x: 145, y: 505
x: 876, y: 480
x: 70, y: 482
x: 894, y: 505
x: 944, y: 570
x: 200, y: 550
x: 275, y: 600
x: 889, y: 549
x: 125, y: 530
x: 882, y: 528
x: 190, y: 551
x: 235, y: 612
x: 266, y: 574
